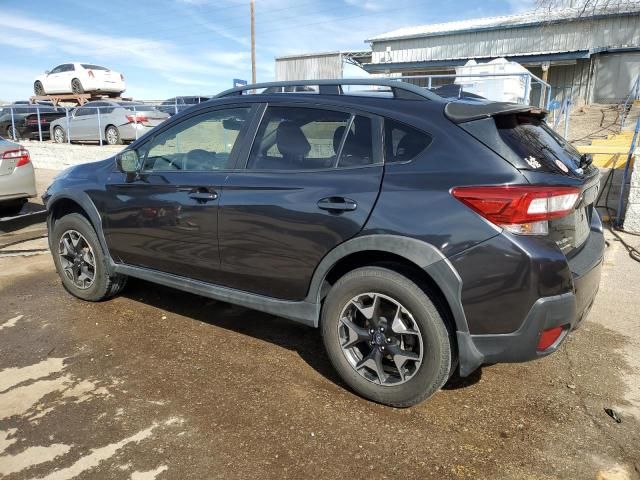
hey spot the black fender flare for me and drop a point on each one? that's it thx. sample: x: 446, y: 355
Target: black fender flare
x: 85, y: 202
x: 423, y: 254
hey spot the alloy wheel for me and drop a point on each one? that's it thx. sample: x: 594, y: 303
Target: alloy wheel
x: 77, y: 259
x: 380, y: 339
x: 58, y: 135
x: 112, y: 136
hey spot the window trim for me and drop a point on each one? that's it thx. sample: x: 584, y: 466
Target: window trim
x: 377, y: 124
x: 233, y: 155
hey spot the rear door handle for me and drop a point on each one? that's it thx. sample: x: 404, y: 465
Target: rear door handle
x: 337, y: 204
x: 203, y: 194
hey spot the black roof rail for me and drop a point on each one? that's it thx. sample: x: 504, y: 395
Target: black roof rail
x: 399, y: 88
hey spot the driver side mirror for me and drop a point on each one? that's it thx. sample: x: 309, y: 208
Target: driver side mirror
x: 128, y: 161
x: 47, y: 72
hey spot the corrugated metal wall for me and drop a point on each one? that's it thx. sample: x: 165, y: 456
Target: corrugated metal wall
x: 572, y: 36
x: 615, y: 76
x: 309, y: 67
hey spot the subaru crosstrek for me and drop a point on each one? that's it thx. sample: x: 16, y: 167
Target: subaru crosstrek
x: 423, y: 236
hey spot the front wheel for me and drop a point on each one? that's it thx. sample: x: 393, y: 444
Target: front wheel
x: 80, y: 260
x: 38, y: 88
x: 385, y: 337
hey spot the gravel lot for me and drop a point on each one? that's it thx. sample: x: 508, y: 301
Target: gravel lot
x: 161, y: 384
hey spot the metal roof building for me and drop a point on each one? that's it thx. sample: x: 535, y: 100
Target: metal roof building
x: 593, y: 55
x: 596, y: 53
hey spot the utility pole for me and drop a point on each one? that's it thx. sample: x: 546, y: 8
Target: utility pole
x: 253, y: 44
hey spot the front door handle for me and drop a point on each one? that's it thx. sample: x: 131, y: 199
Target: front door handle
x: 203, y: 195
x: 337, y: 204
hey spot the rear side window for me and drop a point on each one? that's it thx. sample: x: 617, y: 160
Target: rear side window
x: 311, y: 139
x: 402, y: 142
x: 89, y: 66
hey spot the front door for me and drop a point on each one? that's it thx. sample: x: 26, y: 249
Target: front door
x: 166, y: 217
x: 311, y: 180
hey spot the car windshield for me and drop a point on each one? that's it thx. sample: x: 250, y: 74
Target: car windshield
x: 89, y: 66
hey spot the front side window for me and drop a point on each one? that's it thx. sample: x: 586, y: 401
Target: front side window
x: 402, y: 142
x: 82, y: 111
x: 202, y: 143
x: 292, y: 138
x: 57, y: 69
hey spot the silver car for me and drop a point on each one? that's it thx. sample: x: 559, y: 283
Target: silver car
x: 113, y: 122
x: 17, y: 179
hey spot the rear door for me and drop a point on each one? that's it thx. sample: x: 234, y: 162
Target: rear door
x: 80, y: 124
x: 166, y: 217
x: 311, y: 179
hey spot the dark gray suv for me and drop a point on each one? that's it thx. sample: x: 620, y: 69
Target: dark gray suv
x: 423, y: 236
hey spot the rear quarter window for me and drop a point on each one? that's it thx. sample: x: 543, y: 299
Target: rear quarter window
x: 402, y: 142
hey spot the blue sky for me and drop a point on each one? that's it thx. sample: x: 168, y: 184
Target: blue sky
x: 183, y: 47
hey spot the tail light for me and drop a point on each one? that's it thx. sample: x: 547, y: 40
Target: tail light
x: 34, y: 121
x: 21, y: 156
x: 91, y: 73
x: 520, y: 209
x: 137, y: 118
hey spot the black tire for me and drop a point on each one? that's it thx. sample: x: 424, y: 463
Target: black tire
x: 112, y: 135
x: 12, y: 133
x: 38, y: 89
x: 10, y: 208
x: 104, y: 285
x: 58, y: 135
x: 437, y: 345
x: 76, y: 86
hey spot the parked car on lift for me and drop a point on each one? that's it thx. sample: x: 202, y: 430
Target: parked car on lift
x: 20, y: 120
x: 421, y: 235
x: 117, y: 122
x: 178, y: 104
x: 17, y: 179
x: 79, y: 78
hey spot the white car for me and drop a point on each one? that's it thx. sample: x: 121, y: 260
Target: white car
x: 79, y: 78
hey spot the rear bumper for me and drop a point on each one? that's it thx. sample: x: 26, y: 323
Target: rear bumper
x: 566, y: 310
x: 19, y: 184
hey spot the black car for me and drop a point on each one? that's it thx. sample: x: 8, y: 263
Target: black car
x: 178, y: 104
x: 21, y: 120
x: 423, y: 236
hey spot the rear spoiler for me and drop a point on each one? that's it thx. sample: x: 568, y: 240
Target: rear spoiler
x: 460, y: 112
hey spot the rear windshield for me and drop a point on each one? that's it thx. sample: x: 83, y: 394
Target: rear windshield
x: 534, y: 141
x: 139, y: 107
x: 89, y: 66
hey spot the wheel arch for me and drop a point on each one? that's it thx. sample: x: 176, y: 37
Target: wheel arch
x: 77, y: 202
x: 423, y: 262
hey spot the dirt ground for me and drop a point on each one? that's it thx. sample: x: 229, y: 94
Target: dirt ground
x: 160, y: 384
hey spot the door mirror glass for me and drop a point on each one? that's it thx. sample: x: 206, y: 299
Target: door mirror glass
x: 128, y: 161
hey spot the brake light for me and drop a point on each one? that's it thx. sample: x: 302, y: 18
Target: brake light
x: 549, y: 337
x: 21, y: 156
x: 34, y: 121
x: 91, y: 73
x: 138, y: 118
x: 520, y: 209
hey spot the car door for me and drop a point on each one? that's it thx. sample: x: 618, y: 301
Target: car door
x: 80, y: 123
x: 311, y: 180
x: 166, y: 217
x: 53, y: 81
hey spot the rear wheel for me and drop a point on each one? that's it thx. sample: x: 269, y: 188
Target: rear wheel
x: 38, y: 89
x: 76, y: 86
x: 112, y: 135
x: 58, y: 135
x: 385, y: 337
x: 80, y: 261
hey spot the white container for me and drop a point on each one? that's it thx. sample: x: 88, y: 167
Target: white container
x: 512, y: 88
